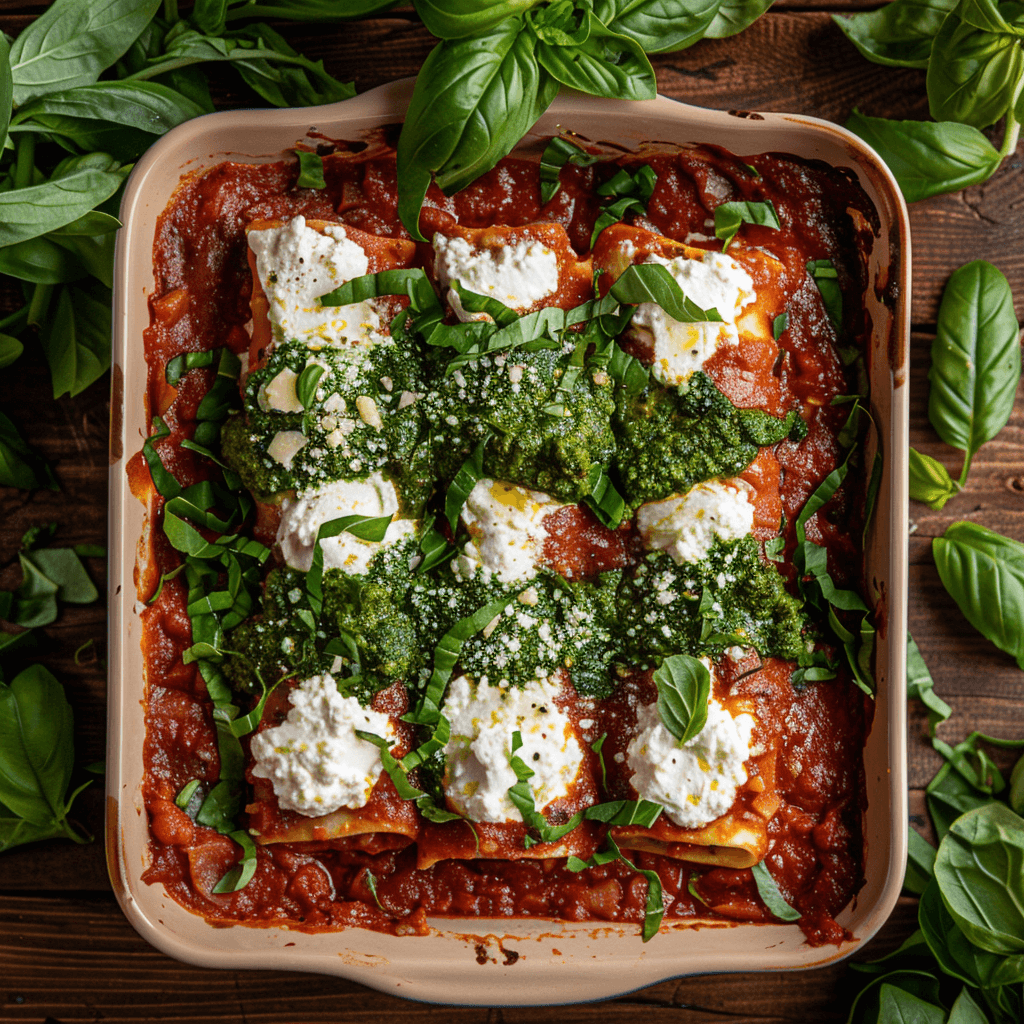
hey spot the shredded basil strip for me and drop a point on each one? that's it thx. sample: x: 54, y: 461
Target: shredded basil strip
x: 371, y: 528
x: 446, y: 654
x: 826, y: 278
x: 241, y: 874
x: 181, y: 364
x: 625, y: 812
x: 185, y: 794
x: 521, y: 794
x: 768, y: 890
x: 163, y: 479
x: 603, y: 498
x: 651, y: 282
x: 311, y: 170
x: 371, y: 884
x: 557, y: 153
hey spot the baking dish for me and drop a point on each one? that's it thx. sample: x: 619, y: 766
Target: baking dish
x: 508, y: 961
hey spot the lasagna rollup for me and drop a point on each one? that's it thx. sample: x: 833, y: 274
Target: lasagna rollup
x: 479, y: 771
x: 383, y: 821
x: 717, y: 790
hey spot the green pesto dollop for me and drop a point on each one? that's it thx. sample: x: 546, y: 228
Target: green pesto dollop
x: 549, y: 426
x: 670, y: 439
x: 731, y: 598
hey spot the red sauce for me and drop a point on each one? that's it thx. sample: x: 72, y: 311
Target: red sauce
x: 201, y: 300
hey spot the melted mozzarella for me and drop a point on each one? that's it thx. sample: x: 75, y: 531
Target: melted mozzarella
x: 296, y: 265
x: 518, y: 275
x: 302, y: 517
x: 697, y: 782
x: 483, y: 718
x: 314, y: 759
x: 507, y: 534
x: 686, y: 525
x: 714, y: 282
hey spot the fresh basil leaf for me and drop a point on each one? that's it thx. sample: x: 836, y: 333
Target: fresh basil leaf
x: 659, y: 26
x: 930, y: 481
x: 72, y: 42
x: 920, y: 686
x: 242, y: 873
x: 456, y: 19
x: 826, y: 278
x: 163, y: 480
x: 64, y: 568
x: 446, y: 654
x: 980, y: 872
x: 16, y: 831
x: 557, y: 153
x: 684, y: 686
x: 949, y: 795
x: 309, y: 10
x: 920, y: 864
x: 521, y: 795
x: 33, y: 211
x: 311, y: 170
x: 6, y: 88
x: 729, y: 217
x: 475, y: 98
x: 973, y: 72
x: 768, y: 890
x: 651, y: 282
x: 928, y: 158
x: 76, y: 341
x: 896, y: 1004
x: 606, y: 64
x: 41, y: 261
x: 899, y: 34
x: 20, y: 466
x: 965, y: 1010
x: 779, y: 325
x: 120, y: 118
x: 36, y: 746
x: 603, y: 499
x: 734, y: 16
x: 976, y: 359
x: 984, y: 573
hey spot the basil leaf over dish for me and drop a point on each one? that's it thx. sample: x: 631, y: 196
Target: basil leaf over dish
x: 684, y: 686
x: 311, y: 170
x: 768, y: 890
x: 730, y: 217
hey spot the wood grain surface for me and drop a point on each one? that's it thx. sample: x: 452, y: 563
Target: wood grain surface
x: 66, y: 951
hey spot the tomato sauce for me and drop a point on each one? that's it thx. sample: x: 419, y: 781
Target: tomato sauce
x: 201, y: 300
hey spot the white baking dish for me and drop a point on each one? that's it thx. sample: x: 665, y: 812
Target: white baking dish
x: 464, y: 961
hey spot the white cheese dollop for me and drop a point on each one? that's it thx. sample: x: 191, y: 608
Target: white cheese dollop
x: 296, y: 265
x: 518, y: 275
x: 686, y: 525
x: 314, y: 759
x: 302, y: 517
x: 697, y: 782
x: 483, y: 719
x: 505, y: 523
x: 714, y: 282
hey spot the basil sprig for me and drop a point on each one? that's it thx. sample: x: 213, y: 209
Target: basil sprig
x: 972, y: 52
x: 499, y: 65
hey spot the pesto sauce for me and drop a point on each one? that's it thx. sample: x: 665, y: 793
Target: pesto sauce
x: 671, y: 439
x: 730, y: 598
x: 545, y: 434
x: 340, y: 445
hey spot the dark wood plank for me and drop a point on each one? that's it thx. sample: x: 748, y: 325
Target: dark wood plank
x: 78, y: 959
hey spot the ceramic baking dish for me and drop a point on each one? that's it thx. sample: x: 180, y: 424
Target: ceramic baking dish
x: 469, y: 961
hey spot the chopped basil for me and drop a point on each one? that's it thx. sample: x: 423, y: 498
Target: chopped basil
x: 311, y: 170
x: 729, y: 217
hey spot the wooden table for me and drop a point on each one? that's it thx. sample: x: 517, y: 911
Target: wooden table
x: 66, y: 951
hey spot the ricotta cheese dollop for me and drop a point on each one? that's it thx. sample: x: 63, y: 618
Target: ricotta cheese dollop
x: 296, y: 265
x: 714, y: 282
x: 686, y: 525
x: 517, y: 275
x: 696, y: 782
x: 506, y: 528
x: 483, y: 718
x: 302, y: 517
x: 314, y: 759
